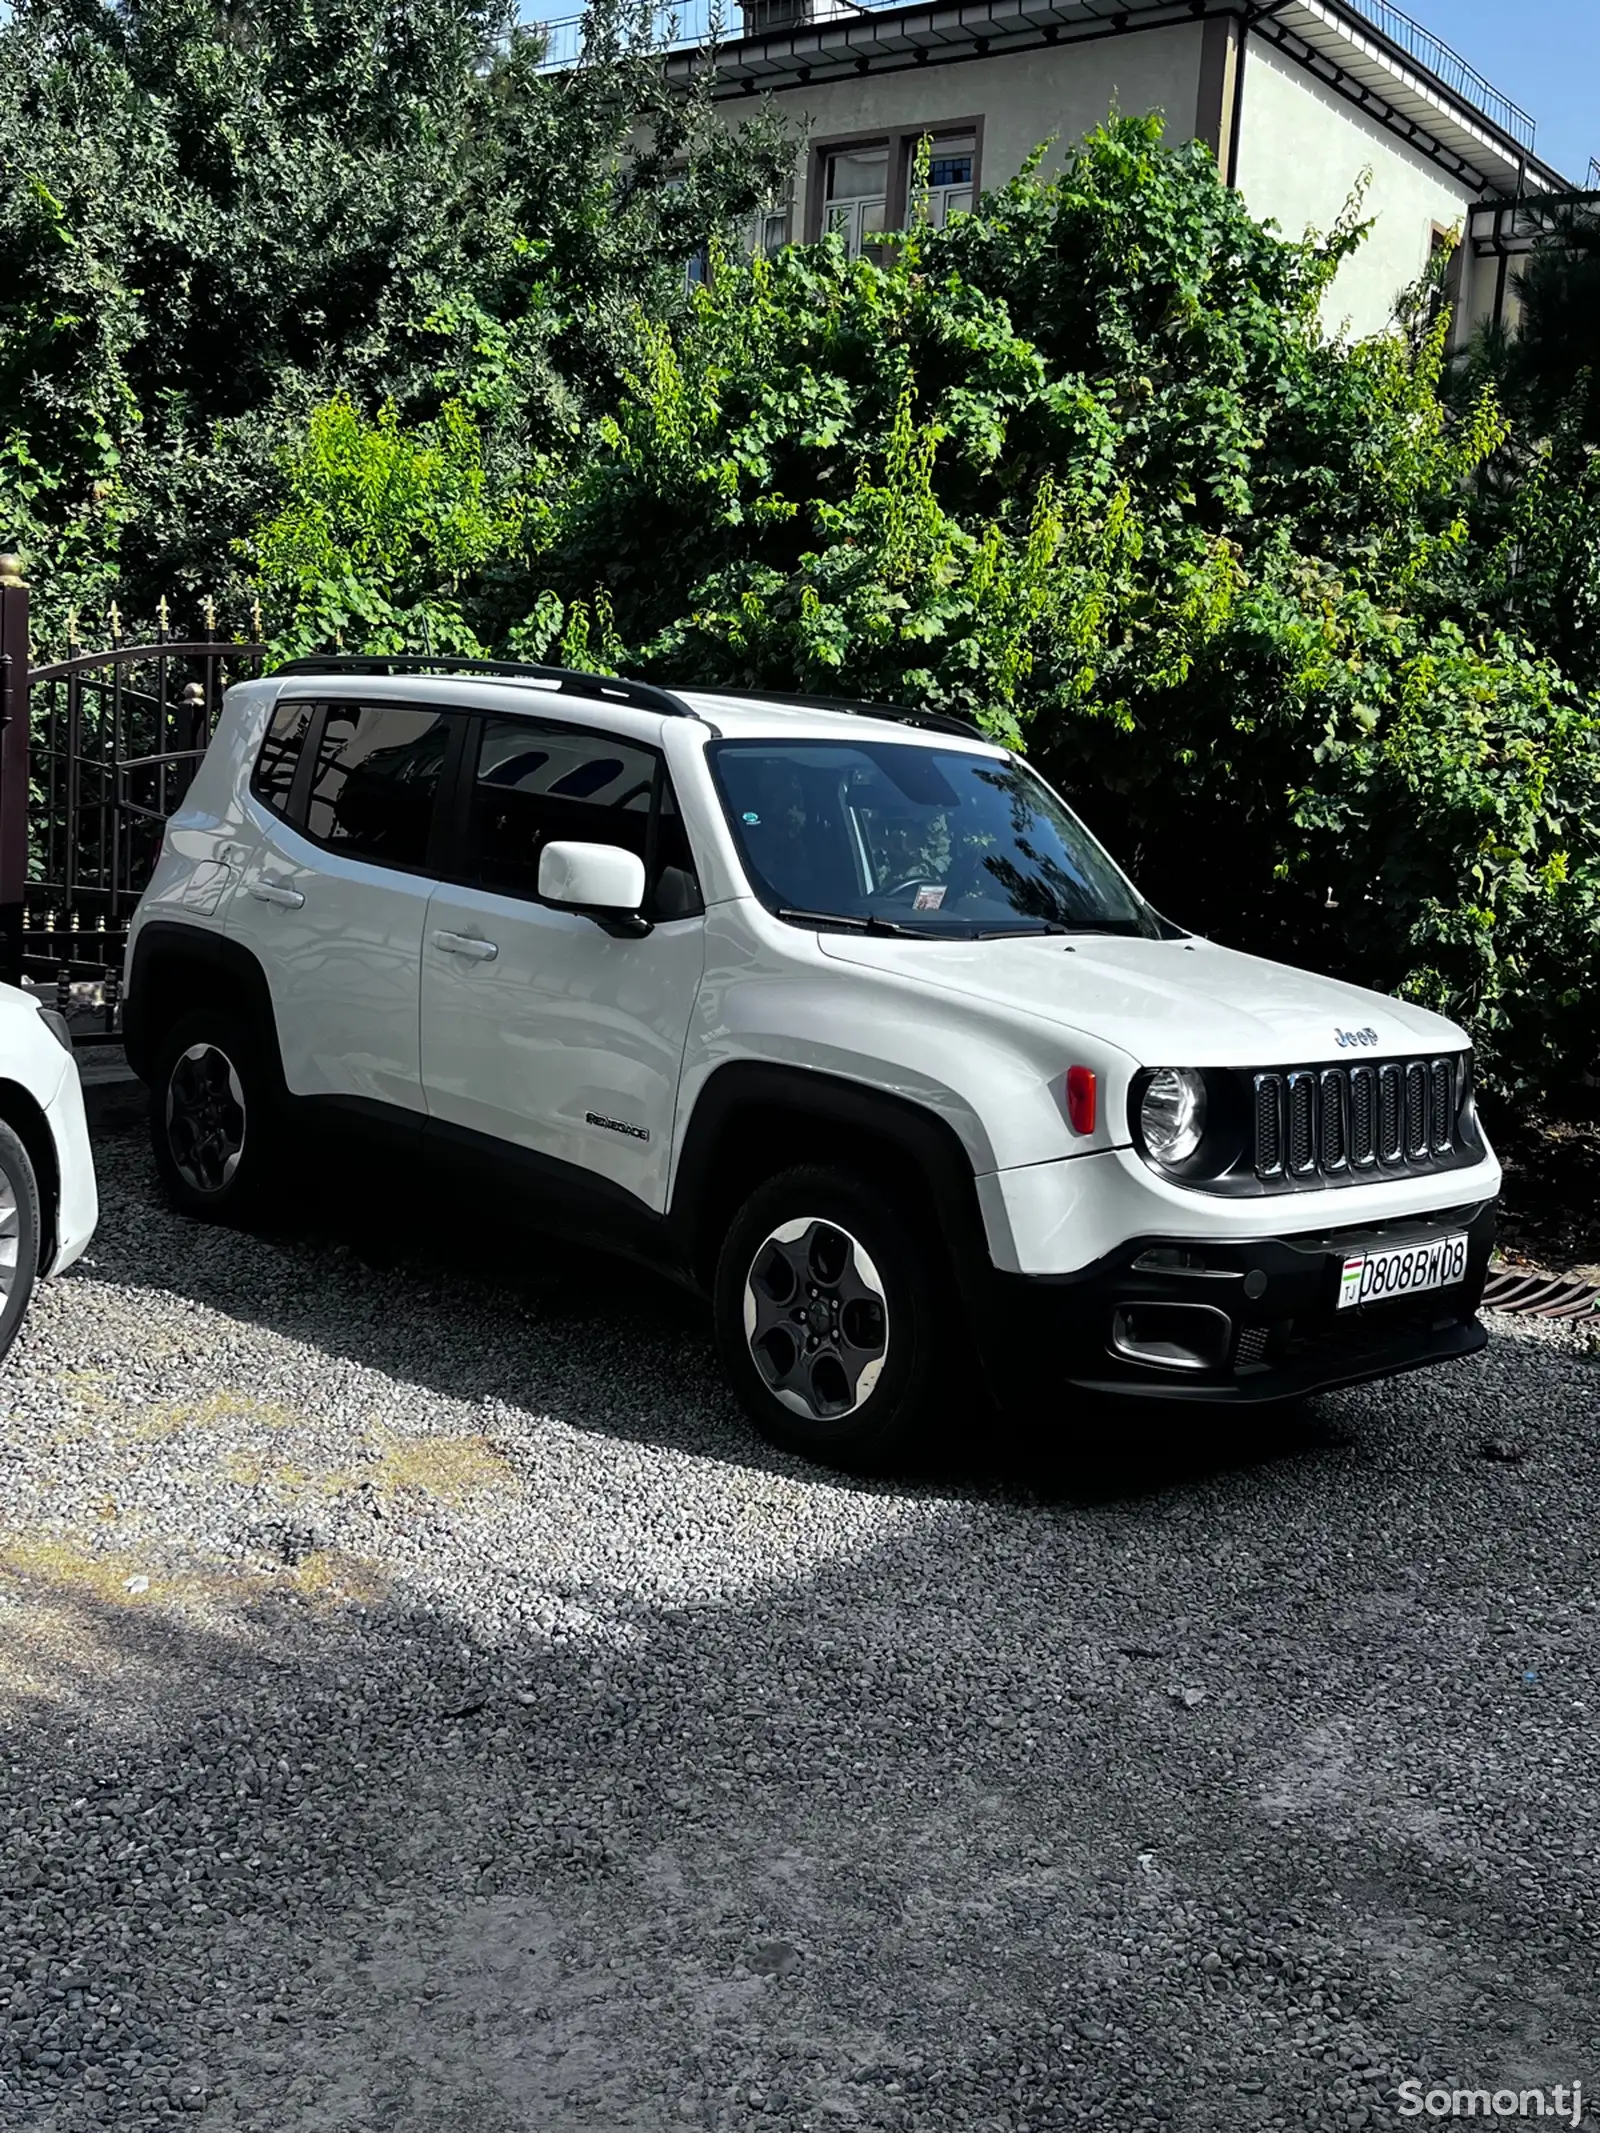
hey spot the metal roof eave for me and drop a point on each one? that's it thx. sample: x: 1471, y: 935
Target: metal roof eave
x: 1333, y: 41
x: 1362, y: 60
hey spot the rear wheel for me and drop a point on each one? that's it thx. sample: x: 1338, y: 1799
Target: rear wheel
x: 19, y: 1234
x: 213, y: 1118
x: 834, y: 1325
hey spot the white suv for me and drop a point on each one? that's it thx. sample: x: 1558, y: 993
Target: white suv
x: 834, y: 1011
x: 48, y: 1201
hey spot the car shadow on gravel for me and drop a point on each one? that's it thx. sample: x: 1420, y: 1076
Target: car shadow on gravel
x: 1005, y: 1820
x: 396, y: 1273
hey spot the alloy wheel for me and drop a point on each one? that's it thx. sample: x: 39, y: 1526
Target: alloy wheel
x: 10, y: 1234
x: 205, y: 1118
x: 816, y: 1319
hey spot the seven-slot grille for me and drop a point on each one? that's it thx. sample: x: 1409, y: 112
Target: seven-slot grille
x: 1342, y: 1121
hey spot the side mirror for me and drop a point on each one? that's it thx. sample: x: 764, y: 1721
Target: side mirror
x: 602, y: 881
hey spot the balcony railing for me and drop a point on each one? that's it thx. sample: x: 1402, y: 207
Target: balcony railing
x: 1463, y: 81
x: 696, y: 23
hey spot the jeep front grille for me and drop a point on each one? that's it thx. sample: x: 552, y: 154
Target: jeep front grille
x: 1346, y: 1122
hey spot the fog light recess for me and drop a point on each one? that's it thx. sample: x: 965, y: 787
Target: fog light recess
x: 1172, y: 1336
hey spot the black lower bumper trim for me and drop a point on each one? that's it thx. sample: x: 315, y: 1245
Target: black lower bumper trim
x: 1239, y: 1324
x: 1295, y: 1382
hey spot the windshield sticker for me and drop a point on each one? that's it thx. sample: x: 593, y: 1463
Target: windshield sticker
x: 928, y: 898
x: 753, y: 819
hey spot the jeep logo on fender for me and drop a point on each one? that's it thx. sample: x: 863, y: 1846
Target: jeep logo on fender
x: 1344, y: 1038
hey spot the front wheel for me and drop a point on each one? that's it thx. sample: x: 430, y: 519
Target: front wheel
x: 213, y: 1122
x: 834, y: 1325
x: 19, y: 1235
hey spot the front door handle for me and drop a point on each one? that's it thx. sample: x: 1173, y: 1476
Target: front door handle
x: 463, y: 944
x: 276, y: 892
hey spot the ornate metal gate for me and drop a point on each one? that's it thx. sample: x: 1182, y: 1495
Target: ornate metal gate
x: 96, y: 752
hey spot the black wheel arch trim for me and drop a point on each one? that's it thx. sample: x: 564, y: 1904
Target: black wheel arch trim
x: 167, y: 950
x: 746, y: 1089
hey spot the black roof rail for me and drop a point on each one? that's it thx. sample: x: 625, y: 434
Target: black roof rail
x: 565, y: 681
x: 899, y: 714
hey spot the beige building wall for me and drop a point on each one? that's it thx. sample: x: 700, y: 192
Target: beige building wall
x: 1302, y: 148
x: 1022, y: 99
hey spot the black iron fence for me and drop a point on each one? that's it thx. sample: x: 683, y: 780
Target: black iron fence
x: 97, y: 750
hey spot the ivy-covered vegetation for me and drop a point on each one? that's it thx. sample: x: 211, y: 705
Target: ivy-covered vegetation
x: 1308, y: 629
x: 218, y: 214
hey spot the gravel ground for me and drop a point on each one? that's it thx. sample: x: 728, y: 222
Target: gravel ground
x: 425, y: 1707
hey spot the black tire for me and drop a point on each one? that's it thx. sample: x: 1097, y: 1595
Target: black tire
x: 20, y: 1228
x: 872, y: 1379
x: 215, y: 1117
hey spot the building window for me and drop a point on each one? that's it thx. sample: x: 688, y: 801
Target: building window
x: 859, y: 189
x: 950, y: 172
x: 856, y: 198
x: 770, y: 232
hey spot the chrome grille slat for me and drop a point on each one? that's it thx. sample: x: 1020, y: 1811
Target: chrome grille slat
x: 1301, y: 1152
x: 1269, y: 1125
x: 1333, y: 1104
x: 1444, y: 1109
x: 1391, y: 1115
x: 1418, y: 1087
x: 1363, y: 1116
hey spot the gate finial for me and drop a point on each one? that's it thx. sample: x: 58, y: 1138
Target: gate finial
x: 161, y: 614
x: 114, y: 617
x: 208, y: 609
x: 10, y: 570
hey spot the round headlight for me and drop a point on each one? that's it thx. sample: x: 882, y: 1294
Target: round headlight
x: 1173, y: 1115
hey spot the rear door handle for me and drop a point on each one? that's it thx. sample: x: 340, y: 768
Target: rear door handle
x: 276, y: 892
x: 463, y: 944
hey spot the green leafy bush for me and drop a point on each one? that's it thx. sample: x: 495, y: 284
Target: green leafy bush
x: 1086, y: 465
x: 216, y: 219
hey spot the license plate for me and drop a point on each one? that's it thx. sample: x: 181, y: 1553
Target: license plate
x: 1405, y: 1270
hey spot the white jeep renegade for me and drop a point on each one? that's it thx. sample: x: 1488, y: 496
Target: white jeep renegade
x: 836, y: 1012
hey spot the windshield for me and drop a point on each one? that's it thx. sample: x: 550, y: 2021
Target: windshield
x: 896, y: 836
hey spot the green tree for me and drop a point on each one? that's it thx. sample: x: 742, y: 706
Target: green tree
x: 1214, y: 570
x: 215, y: 219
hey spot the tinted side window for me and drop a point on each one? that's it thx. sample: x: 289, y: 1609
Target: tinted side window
x: 375, y: 779
x: 272, y: 780
x: 542, y: 784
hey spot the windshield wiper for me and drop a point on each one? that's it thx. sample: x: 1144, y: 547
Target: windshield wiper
x: 1027, y: 933
x: 854, y: 923
x: 1116, y: 928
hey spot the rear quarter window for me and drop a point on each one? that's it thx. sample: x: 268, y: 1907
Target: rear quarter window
x: 272, y: 780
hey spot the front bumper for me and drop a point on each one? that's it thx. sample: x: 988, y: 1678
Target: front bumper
x: 1245, y: 1323
x: 78, y: 1202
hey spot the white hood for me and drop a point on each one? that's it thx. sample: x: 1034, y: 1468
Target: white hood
x: 1164, y: 1003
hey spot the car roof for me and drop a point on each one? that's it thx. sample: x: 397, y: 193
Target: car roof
x: 755, y: 718
x: 534, y: 692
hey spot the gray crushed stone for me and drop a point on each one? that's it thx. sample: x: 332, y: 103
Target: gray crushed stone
x: 424, y: 1706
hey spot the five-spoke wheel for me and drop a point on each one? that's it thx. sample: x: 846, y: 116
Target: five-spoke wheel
x: 205, y: 1117
x: 212, y: 1116
x: 816, y: 1318
x: 834, y: 1319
